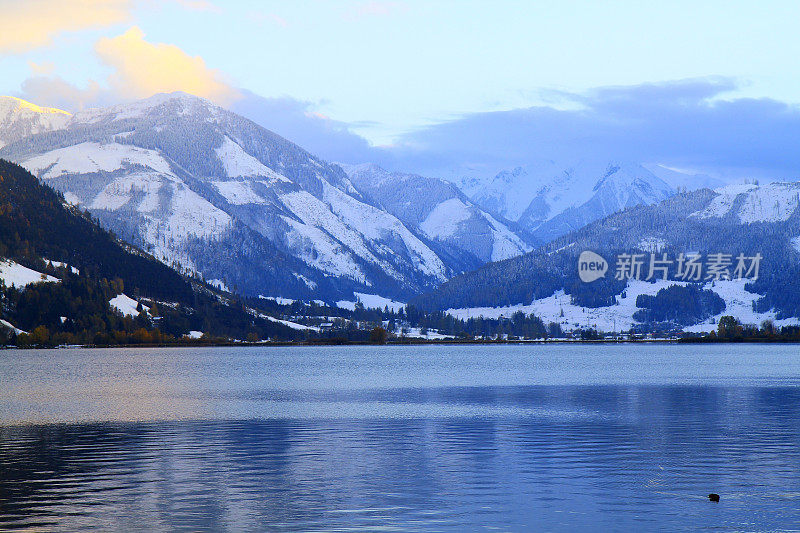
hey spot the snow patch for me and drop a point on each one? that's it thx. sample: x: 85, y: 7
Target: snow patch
x: 618, y: 317
x: 293, y: 325
x: 652, y: 244
x: 120, y: 191
x: 126, y: 305
x: 59, y: 264
x: 445, y: 219
x: 238, y: 192
x: 15, y: 275
x: 12, y: 327
x: 71, y: 198
x: 92, y: 157
x: 219, y: 284
x: 375, y: 225
x: 278, y: 299
x: 239, y: 164
x: 371, y: 301
x: 309, y: 283
x: 559, y: 308
x: 774, y: 202
x: 739, y: 304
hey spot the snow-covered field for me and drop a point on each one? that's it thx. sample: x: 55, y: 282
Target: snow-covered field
x: 738, y: 303
x: 126, y: 305
x: 293, y: 325
x: 558, y: 308
x: 371, y: 301
x: 15, y: 275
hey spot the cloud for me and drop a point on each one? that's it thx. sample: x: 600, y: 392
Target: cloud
x: 42, y: 69
x: 33, y: 23
x: 142, y: 69
x: 687, y: 124
x: 54, y: 91
x: 295, y: 120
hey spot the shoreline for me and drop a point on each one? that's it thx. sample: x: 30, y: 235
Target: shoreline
x: 411, y: 342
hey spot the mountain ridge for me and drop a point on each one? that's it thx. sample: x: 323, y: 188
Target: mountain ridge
x: 548, y: 199
x: 138, y: 166
x: 732, y: 220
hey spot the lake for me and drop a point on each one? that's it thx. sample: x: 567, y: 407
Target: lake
x: 428, y: 438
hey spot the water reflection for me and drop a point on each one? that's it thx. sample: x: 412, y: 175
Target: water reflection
x: 631, y: 457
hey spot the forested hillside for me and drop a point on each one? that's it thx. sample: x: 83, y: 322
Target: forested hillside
x: 39, y: 232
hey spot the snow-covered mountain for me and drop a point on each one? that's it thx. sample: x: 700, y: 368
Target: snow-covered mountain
x: 440, y: 211
x: 548, y: 199
x: 19, y: 119
x: 685, y: 180
x: 749, y: 203
x: 737, y: 219
x: 216, y: 194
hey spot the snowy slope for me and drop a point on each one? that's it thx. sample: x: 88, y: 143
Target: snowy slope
x: 371, y: 301
x: 549, y: 199
x: 13, y: 274
x: 213, y: 193
x: 126, y: 305
x: 439, y: 211
x: 747, y: 203
x: 92, y: 157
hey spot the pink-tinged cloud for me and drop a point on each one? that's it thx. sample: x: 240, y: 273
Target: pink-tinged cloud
x: 42, y: 69
x: 143, y: 69
x: 29, y: 24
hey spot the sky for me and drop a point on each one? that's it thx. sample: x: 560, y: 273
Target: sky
x: 441, y: 87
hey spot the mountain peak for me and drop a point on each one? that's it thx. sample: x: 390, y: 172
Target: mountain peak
x: 9, y: 104
x: 174, y: 103
x: 20, y: 118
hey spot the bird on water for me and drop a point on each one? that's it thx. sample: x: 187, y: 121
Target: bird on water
x: 713, y: 497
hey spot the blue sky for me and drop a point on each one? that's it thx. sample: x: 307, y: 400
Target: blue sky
x: 429, y: 85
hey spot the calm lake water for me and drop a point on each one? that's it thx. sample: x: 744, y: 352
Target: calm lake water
x: 432, y: 438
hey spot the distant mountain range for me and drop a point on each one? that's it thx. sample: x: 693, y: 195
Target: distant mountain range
x: 217, y: 196
x: 440, y: 211
x: 212, y: 193
x: 548, y: 199
x: 737, y: 219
